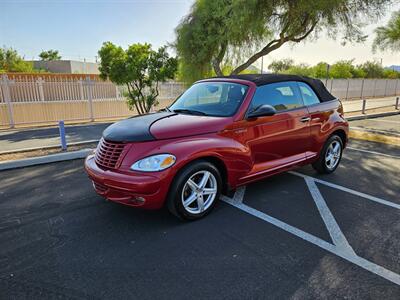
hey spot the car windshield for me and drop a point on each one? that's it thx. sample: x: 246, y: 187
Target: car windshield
x: 220, y: 99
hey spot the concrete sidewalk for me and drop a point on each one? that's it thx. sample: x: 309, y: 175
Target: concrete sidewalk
x: 11, y: 140
x: 356, y: 105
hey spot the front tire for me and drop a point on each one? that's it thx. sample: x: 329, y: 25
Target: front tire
x: 330, y: 156
x: 195, y: 190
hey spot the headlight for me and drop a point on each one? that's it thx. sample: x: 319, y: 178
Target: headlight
x: 154, y: 163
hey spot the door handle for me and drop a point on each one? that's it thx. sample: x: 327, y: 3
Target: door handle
x: 305, y: 119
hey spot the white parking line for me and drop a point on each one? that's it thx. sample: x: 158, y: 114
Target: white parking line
x: 336, y: 234
x: 339, y: 250
x: 342, y: 188
x: 373, y: 152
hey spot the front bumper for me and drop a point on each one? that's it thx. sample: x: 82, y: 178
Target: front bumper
x: 130, y: 188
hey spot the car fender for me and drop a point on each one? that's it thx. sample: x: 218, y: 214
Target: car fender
x: 235, y: 156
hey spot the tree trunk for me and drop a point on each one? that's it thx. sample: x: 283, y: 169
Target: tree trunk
x: 271, y: 46
x: 216, y: 63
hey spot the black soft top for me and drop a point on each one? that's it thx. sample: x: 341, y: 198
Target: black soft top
x: 262, y: 79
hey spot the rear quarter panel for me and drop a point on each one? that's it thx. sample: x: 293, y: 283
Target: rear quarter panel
x: 326, y: 118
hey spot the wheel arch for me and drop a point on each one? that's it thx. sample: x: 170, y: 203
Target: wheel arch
x: 218, y: 163
x: 342, y: 134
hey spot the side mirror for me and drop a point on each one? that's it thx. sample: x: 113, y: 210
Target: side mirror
x: 261, y: 111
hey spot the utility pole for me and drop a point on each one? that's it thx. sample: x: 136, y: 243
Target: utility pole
x: 327, y: 75
x: 328, y: 67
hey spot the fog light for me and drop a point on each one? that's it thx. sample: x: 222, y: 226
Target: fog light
x: 138, y: 200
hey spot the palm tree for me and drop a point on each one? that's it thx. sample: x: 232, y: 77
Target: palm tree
x: 388, y: 37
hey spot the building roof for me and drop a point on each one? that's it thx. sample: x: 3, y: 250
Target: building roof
x: 262, y: 79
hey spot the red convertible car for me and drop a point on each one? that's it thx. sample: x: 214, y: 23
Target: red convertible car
x: 219, y: 134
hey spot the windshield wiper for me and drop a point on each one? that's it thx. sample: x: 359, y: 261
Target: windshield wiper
x: 190, y: 111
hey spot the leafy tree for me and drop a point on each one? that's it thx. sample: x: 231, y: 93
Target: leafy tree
x: 49, y: 55
x: 300, y: 69
x: 358, y: 73
x: 281, y: 65
x: 372, y: 69
x: 239, y: 32
x: 391, y: 74
x: 342, y: 69
x: 320, y: 70
x: 140, y: 69
x: 10, y: 61
x: 388, y: 37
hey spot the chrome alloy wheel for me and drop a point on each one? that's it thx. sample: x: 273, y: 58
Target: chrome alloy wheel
x: 332, y: 155
x: 199, y: 192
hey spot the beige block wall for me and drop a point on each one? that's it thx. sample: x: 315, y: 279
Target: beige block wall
x: 111, y: 109
x: 43, y: 112
x: 4, y: 120
x: 34, y: 113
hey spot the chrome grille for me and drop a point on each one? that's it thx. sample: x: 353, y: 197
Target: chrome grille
x: 108, y: 153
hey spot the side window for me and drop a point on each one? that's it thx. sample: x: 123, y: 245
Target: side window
x: 308, y: 94
x: 281, y: 95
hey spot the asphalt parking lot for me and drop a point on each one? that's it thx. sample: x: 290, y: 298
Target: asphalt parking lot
x: 296, y: 235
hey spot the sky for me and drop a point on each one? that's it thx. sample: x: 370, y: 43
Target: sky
x: 77, y: 28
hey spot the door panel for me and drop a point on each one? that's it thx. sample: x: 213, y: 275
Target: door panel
x: 279, y: 140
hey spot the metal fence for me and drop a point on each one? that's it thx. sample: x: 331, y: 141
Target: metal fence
x: 34, y: 99
x: 346, y: 89
x: 28, y: 100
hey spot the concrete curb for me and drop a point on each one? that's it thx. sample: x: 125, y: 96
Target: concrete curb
x: 7, y: 165
x: 377, y: 115
x: 374, y: 137
x: 376, y: 131
x: 47, y: 147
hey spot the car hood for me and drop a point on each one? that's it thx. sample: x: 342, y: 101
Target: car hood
x: 162, y: 125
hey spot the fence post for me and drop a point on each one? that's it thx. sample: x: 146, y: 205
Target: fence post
x: 40, y: 86
x: 397, y: 103
x: 61, y: 129
x: 81, y: 95
x: 347, y: 89
x: 117, y: 92
x: 89, y: 86
x: 5, y: 83
x: 376, y: 80
x: 364, y: 106
x: 395, y: 88
x: 362, y: 88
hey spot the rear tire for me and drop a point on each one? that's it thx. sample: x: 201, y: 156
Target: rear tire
x: 330, y: 156
x: 195, y: 191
